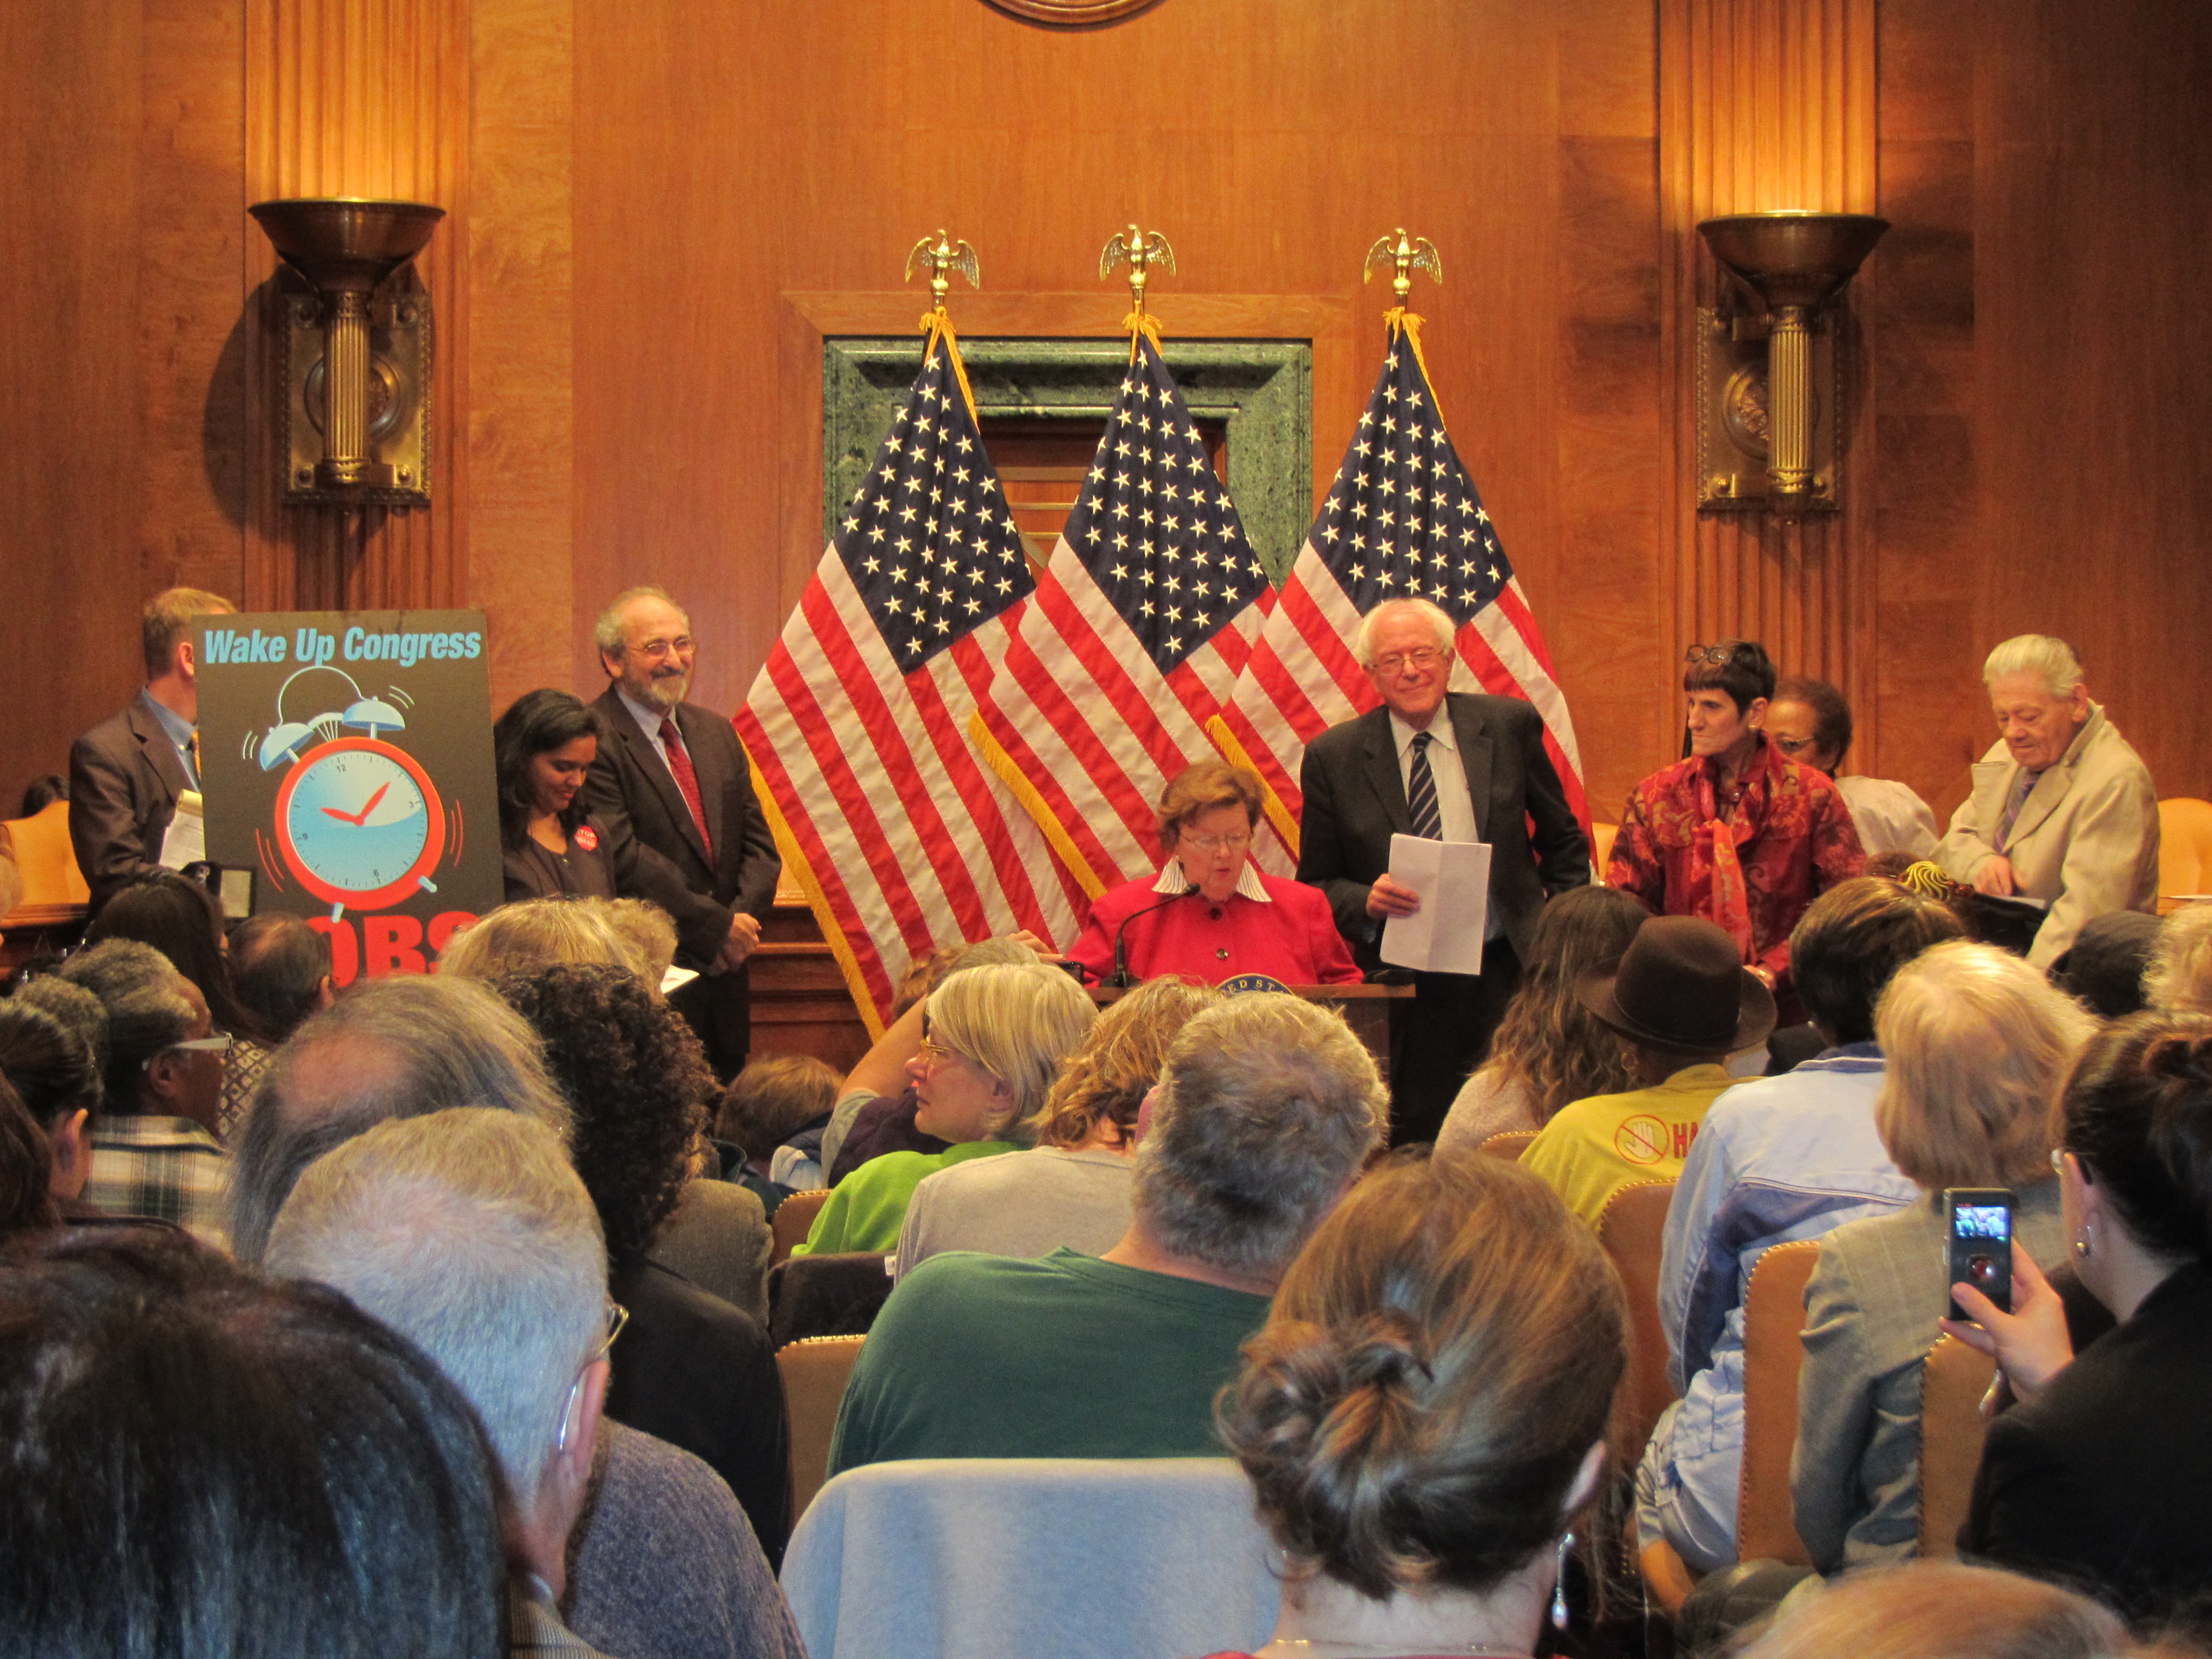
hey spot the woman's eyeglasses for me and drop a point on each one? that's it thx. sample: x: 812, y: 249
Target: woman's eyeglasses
x: 1235, y: 843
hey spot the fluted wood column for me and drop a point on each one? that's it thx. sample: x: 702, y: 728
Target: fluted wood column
x: 359, y: 98
x: 1768, y: 104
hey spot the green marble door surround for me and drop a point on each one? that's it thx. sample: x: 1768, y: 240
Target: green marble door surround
x: 1263, y: 389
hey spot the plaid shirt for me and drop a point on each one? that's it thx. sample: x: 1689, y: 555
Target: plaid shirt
x: 241, y: 1075
x: 167, y: 1168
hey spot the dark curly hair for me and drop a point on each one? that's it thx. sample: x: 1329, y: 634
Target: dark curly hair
x: 638, y: 1081
x: 1438, y: 1362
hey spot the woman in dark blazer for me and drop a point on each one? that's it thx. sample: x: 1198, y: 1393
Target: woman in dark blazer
x: 542, y: 747
x: 2100, y: 1475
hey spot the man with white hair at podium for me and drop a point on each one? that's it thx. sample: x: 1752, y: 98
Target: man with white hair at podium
x: 2063, y: 811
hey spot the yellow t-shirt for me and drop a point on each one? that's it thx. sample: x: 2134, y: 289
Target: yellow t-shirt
x: 1597, y: 1147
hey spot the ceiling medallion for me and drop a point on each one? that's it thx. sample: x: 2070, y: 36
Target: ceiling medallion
x: 1072, y: 13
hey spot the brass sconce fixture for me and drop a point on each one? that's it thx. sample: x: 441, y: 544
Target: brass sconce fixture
x: 1768, y: 389
x: 357, y: 361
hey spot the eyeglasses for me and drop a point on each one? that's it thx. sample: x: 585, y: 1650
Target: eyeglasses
x: 934, y: 1054
x: 1419, y: 661
x: 213, y: 1045
x: 1790, y: 746
x: 679, y: 646
x: 1235, y: 843
x: 617, y: 1316
x: 1714, y: 654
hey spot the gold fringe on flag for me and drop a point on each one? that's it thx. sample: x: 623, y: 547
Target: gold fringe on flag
x: 1270, y: 802
x: 787, y: 844
x: 988, y: 750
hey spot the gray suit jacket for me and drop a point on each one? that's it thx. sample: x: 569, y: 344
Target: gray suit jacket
x: 125, y: 780
x: 1355, y: 801
x: 1870, y: 1314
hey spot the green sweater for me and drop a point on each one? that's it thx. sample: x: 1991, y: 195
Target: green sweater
x: 984, y: 1356
x: 869, y: 1205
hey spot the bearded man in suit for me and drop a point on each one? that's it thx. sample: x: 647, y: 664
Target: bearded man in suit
x: 128, y: 772
x: 1455, y: 766
x: 678, y: 773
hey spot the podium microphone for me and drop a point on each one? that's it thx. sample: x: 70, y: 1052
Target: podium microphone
x: 1121, y: 980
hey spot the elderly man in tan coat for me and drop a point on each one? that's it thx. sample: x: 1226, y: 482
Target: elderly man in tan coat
x: 2062, y: 810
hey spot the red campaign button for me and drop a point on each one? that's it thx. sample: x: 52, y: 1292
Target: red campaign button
x: 588, y: 838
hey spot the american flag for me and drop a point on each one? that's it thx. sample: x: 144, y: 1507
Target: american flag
x: 1403, y: 520
x: 857, y: 723
x: 1147, y: 612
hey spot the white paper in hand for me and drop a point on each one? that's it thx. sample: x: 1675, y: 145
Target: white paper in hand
x: 186, y: 841
x: 1444, y: 936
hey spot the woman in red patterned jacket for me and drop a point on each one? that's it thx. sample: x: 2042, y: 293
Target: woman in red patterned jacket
x: 1735, y: 832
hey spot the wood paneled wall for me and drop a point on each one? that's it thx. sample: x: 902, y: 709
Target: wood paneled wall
x: 637, y: 188
x: 1765, y: 105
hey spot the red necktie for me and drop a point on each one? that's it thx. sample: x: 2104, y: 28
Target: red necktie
x: 679, y: 763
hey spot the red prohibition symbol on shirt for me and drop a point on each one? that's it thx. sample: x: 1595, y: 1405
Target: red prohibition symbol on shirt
x: 1646, y: 1140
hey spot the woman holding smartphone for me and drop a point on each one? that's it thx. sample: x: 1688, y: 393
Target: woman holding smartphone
x: 1976, y: 1043
x: 2100, y: 1476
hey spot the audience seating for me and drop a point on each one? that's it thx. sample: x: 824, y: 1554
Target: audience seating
x: 1630, y: 1227
x: 1774, y: 1317
x: 1952, y: 1384
x: 794, y: 1220
x: 2185, y: 850
x: 836, y: 1295
x: 1773, y: 1323
x: 814, y: 1371
x: 1014, y: 1558
x: 54, y: 889
x: 1509, y: 1144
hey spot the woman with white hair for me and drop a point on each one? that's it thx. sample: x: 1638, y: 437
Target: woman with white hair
x: 993, y: 1039
x: 2062, y: 811
x: 1976, y: 1043
x: 2179, y: 980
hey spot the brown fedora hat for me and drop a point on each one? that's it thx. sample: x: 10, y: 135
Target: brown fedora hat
x: 1682, y: 986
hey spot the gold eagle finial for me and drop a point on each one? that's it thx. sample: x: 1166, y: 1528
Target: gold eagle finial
x: 1408, y: 256
x: 943, y: 256
x: 1142, y: 250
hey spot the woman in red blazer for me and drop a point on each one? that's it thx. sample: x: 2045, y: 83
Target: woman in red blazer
x: 1210, y: 915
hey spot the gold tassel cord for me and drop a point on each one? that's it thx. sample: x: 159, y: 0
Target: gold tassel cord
x: 1399, y: 320
x: 989, y: 751
x: 938, y: 325
x: 841, y: 947
x: 1270, y: 802
x: 1145, y: 323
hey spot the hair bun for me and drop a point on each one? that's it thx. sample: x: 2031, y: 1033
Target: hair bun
x: 1385, y: 1350
x: 2182, y: 1059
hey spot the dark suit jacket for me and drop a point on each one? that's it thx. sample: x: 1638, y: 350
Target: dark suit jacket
x: 2100, y: 1479
x: 1355, y: 801
x: 631, y: 791
x: 124, y: 779
x: 694, y: 1371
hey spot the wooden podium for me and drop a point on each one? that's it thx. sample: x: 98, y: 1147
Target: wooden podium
x: 801, y: 1005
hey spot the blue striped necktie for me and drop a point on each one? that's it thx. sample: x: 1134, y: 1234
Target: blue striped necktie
x: 1421, y: 792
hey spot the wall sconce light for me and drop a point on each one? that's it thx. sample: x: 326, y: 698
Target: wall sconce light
x: 357, y: 362
x: 1769, y: 391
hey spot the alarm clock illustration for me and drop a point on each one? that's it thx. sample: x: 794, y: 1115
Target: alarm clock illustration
x: 358, y: 821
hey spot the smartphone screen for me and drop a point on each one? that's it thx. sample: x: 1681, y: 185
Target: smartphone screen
x: 1979, y: 1231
